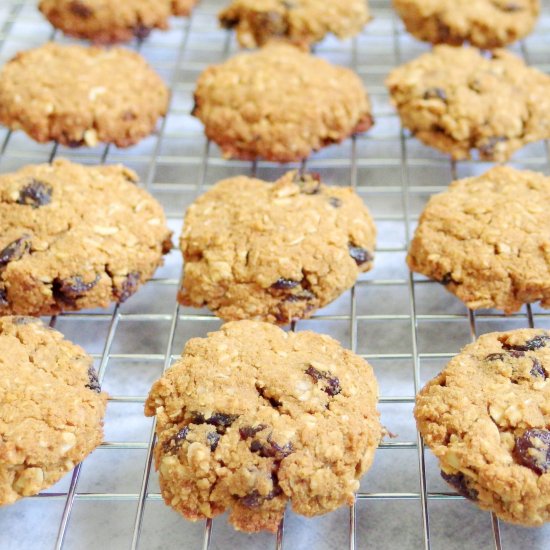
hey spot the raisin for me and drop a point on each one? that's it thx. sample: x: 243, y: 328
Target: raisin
x: 15, y: 250
x: 487, y: 149
x: 459, y: 483
x: 35, y: 194
x: 300, y: 296
x: 284, y: 284
x: 275, y: 403
x: 495, y: 357
x: 220, y: 420
x: 335, y: 202
x: 360, y: 255
x: 128, y: 287
x: 141, y: 32
x: 79, y: 8
x: 94, y: 381
x: 531, y: 345
x: 252, y: 500
x: 435, y: 93
x: 251, y: 431
x: 271, y: 449
x: 447, y: 279
x: 213, y: 439
x: 333, y: 383
x: 532, y: 449
x: 69, y: 290
x: 538, y: 370
x: 515, y: 354
x: 176, y: 441
x: 3, y: 297
x: 256, y: 446
x: 310, y: 184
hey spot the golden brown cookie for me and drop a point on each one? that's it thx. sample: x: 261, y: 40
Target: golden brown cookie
x: 279, y: 104
x: 116, y: 98
x: 302, y: 22
x: 107, y: 22
x: 487, y: 239
x: 75, y: 237
x: 486, y: 24
x: 486, y: 417
x: 252, y: 418
x: 274, y: 252
x: 51, y: 407
x: 456, y: 100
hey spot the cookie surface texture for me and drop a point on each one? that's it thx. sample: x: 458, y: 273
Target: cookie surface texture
x: 74, y: 237
x: 302, y: 22
x: 51, y: 407
x: 486, y: 417
x: 458, y: 100
x: 40, y: 95
x: 252, y: 418
x: 279, y: 104
x: 487, y: 239
x: 486, y: 24
x: 274, y: 252
x: 105, y: 21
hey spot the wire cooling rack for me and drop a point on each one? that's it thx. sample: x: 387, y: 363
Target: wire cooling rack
x: 406, y: 326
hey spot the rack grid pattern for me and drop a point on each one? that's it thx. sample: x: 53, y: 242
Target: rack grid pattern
x: 405, y: 325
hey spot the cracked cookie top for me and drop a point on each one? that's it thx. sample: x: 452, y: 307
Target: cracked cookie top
x: 51, y: 407
x: 74, y: 237
x: 485, y: 24
x: 487, y: 239
x: 487, y: 419
x: 40, y: 95
x: 107, y: 22
x: 274, y: 252
x: 279, y: 103
x: 458, y: 100
x: 252, y: 417
x: 302, y: 22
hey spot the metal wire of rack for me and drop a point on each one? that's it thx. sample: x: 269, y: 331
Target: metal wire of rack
x: 405, y: 325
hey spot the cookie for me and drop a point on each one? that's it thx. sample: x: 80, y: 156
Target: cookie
x: 486, y: 24
x: 252, y: 418
x: 486, y: 417
x: 302, y: 22
x: 279, y: 104
x: 107, y: 22
x: 487, y: 239
x: 456, y: 100
x: 75, y: 237
x: 116, y: 97
x: 51, y: 407
x: 273, y: 252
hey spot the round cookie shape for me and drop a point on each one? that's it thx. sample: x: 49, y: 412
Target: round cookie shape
x: 279, y: 104
x: 252, y: 417
x: 486, y: 417
x: 302, y: 22
x: 487, y: 239
x: 108, y: 22
x: 486, y: 24
x: 75, y: 237
x: 51, y: 407
x: 274, y: 252
x: 40, y: 95
x: 458, y: 100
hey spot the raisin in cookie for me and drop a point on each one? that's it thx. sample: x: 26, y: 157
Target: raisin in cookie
x: 108, y: 22
x: 302, y: 22
x: 51, y: 407
x: 252, y: 417
x: 486, y: 417
x: 487, y: 239
x: 486, y: 24
x: 74, y: 237
x: 40, y: 94
x: 456, y: 99
x: 274, y: 252
x: 279, y: 104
